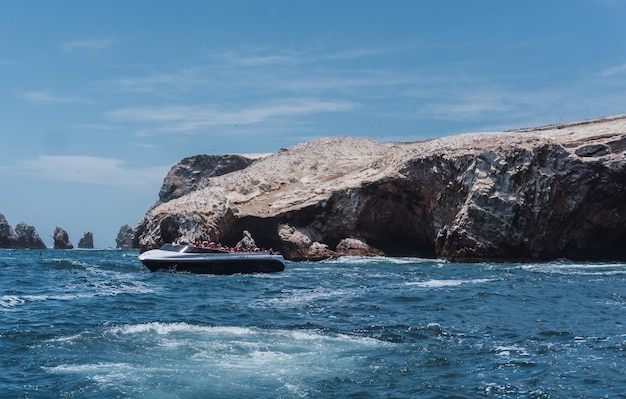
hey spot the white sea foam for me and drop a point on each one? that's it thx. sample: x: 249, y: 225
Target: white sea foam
x: 298, y: 298
x: 71, y: 262
x: 9, y: 301
x: 69, y: 338
x: 446, y: 283
x: 603, y: 269
x: 87, y: 368
x: 235, y: 333
x: 364, y: 260
x: 225, y: 358
x: 508, y: 350
x: 96, y: 288
x: 169, y: 328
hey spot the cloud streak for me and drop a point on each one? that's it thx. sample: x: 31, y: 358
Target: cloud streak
x: 260, y: 57
x: 231, y: 69
x: 190, y: 118
x: 92, y: 170
x: 619, y: 70
x: 85, y: 44
x: 47, y: 96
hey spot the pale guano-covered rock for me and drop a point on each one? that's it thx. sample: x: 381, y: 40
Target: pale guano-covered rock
x: 529, y: 194
x: 61, y: 239
x: 86, y: 241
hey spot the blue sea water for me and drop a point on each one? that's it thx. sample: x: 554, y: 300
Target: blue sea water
x: 96, y: 323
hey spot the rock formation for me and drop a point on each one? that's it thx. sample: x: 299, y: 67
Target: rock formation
x: 246, y: 243
x: 7, y: 234
x: 193, y: 173
x: 61, y: 239
x: 86, y: 241
x: 23, y: 237
x: 27, y: 237
x: 557, y: 191
x: 124, y: 239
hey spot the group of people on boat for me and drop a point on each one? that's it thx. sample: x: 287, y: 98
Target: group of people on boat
x: 218, y: 246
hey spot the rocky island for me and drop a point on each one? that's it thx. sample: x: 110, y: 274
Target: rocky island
x: 23, y: 236
x: 86, y: 241
x: 541, y: 193
x: 61, y: 239
x: 124, y: 239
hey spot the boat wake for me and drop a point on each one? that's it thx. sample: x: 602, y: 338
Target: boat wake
x: 215, y: 361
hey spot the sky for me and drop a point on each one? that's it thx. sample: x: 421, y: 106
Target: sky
x: 99, y: 99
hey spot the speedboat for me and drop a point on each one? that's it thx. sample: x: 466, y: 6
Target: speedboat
x: 196, y: 259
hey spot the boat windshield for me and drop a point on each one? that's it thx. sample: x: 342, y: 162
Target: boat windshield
x: 173, y: 247
x: 190, y: 249
x: 202, y: 250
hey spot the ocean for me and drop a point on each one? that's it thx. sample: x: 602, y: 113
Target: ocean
x: 96, y: 323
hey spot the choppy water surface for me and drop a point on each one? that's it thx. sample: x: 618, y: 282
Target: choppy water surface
x: 98, y: 324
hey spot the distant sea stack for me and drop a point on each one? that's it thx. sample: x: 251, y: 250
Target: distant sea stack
x: 86, y: 241
x: 61, y: 239
x: 532, y: 194
x: 27, y: 237
x: 124, y: 238
x: 7, y: 234
x: 23, y: 237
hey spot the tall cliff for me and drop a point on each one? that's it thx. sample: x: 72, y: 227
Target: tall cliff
x: 531, y: 194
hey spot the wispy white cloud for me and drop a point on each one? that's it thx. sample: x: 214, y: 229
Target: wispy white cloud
x: 355, y: 53
x: 496, y: 108
x: 471, y: 105
x: 230, y: 70
x: 96, y: 126
x: 258, y: 57
x: 503, y: 108
x: 92, y: 170
x: 459, y: 92
x: 85, y: 44
x: 189, y: 118
x: 154, y: 82
x: 617, y: 70
x: 47, y: 96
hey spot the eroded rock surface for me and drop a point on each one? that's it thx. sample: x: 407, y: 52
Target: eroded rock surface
x: 86, y: 241
x: 26, y: 237
x: 124, y: 239
x: 193, y: 173
x: 22, y: 237
x: 7, y: 234
x: 530, y: 194
x: 61, y: 239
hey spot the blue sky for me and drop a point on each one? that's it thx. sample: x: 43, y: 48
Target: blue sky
x: 100, y: 98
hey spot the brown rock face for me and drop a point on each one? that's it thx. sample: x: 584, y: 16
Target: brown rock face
x: 61, y: 239
x: 124, y: 239
x: 27, y: 237
x: 533, y: 194
x: 86, y: 241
